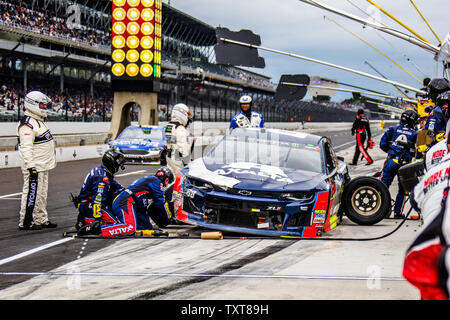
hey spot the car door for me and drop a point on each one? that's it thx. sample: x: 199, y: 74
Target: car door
x: 335, y: 176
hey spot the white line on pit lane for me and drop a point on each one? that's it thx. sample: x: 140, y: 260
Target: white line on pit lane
x: 130, y: 173
x: 10, y: 195
x: 206, y: 275
x: 37, y: 249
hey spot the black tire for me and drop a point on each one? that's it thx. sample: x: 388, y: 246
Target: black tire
x: 366, y: 201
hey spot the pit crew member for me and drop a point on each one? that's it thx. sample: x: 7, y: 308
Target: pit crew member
x: 247, y: 118
x: 37, y: 155
x: 179, y: 147
x: 98, y: 189
x: 399, y: 143
x: 134, y: 207
x: 427, y: 260
x: 361, y: 127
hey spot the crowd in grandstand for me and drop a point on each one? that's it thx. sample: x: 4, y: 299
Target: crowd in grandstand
x: 18, y: 14
x: 71, y: 105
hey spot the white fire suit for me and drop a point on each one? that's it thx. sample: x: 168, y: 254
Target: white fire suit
x: 427, y: 262
x: 435, y: 154
x: 36, y: 150
x: 178, y: 146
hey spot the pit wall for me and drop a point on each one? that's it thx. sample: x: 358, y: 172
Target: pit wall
x: 88, y: 140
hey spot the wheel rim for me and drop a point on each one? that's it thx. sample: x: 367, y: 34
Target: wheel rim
x: 366, y: 200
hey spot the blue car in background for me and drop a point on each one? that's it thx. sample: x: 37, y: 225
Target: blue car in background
x: 140, y: 144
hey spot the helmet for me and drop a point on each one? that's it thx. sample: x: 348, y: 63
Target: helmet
x: 437, y: 86
x: 409, y: 117
x: 163, y: 173
x: 113, y: 160
x: 246, y: 100
x: 36, y: 102
x: 443, y: 98
x: 181, y: 113
x: 360, y: 111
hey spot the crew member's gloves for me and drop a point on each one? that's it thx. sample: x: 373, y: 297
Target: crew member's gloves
x: 440, y: 136
x: 353, y: 133
x: 33, y: 173
x: 97, y: 210
x: 370, y: 144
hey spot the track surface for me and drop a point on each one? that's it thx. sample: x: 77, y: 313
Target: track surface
x: 44, y: 265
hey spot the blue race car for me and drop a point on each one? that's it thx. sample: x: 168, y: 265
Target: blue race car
x: 142, y: 144
x: 275, y: 183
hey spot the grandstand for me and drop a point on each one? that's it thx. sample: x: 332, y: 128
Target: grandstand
x: 42, y: 47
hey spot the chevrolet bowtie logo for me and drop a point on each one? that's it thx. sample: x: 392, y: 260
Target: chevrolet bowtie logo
x: 244, y: 192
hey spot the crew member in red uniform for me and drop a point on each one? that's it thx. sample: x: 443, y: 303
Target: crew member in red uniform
x: 361, y: 127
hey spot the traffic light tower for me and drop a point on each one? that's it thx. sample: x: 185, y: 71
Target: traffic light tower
x: 136, y: 61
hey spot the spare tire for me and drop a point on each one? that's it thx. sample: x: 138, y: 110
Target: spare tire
x: 366, y: 200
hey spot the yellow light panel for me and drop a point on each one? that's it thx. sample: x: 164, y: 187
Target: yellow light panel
x: 118, y: 55
x: 147, y: 28
x: 146, y: 70
x: 147, y: 3
x: 147, y: 14
x: 119, y: 27
x: 146, y: 56
x: 146, y: 42
x: 118, y: 69
x: 119, y: 14
x: 132, y: 55
x: 118, y: 42
x: 133, y: 28
x: 132, y: 70
x: 133, y: 42
x: 133, y: 14
x: 119, y: 3
x: 133, y: 3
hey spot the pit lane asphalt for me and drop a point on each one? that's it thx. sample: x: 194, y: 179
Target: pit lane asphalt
x: 46, y: 273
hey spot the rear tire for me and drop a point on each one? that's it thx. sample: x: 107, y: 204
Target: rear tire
x: 366, y: 200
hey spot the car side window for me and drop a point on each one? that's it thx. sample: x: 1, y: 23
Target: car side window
x: 329, y: 157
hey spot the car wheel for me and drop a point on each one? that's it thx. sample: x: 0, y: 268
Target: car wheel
x: 367, y: 200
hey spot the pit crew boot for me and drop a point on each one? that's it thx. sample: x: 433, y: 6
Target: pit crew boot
x: 48, y: 224
x: 93, y: 228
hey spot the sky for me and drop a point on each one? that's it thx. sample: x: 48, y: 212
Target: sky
x: 296, y: 27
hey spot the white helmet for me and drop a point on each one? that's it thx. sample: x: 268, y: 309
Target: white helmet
x: 246, y: 100
x: 33, y: 102
x: 181, y: 113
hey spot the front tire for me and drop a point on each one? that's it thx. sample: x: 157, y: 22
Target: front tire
x: 366, y: 200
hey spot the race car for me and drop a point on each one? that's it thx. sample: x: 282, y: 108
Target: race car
x: 140, y: 144
x: 275, y: 183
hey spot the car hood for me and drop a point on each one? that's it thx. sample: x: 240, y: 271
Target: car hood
x: 244, y: 175
x: 137, y: 143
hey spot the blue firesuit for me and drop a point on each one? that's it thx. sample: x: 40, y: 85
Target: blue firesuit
x: 132, y: 208
x: 399, y: 143
x: 436, y: 122
x: 241, y: 120
x: 96, y: 195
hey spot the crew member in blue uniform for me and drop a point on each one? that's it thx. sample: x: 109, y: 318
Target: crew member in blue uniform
x: 247, y: 118
x: 437, y: 119
x: 399, y: 142
x: 98, y: 188
x: 134, y: 207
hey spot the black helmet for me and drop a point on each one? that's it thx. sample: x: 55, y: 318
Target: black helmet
x: 409, y: 117
x: 436, y: 87
x: 163, y: 173
x: 113, y: 160
x: 360, y: 111
x: 443, y: 98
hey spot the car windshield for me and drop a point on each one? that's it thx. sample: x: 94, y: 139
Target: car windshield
x: 269, y: 150
x: 141, y: 133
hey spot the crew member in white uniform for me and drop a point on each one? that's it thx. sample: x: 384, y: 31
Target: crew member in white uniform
x: 37, y: 154
x: 179, y: 143
x: 437, y: 152
x: 247, y: 118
